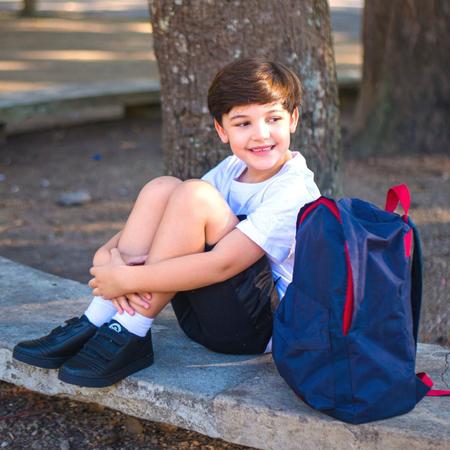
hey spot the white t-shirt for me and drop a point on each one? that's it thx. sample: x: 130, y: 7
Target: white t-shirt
x: 271, y: 208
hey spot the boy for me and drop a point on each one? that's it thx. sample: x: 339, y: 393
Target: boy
x: 220, y: 248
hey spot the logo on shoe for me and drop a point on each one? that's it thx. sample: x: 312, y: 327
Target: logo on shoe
x: 116, y: 327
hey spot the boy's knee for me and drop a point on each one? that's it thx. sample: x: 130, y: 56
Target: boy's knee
x: 166, y: 180
x: 196, y: 194
x: 164, y: 184
x: 195, y: 190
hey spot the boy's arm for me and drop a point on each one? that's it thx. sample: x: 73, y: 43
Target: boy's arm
x: 103, y: 253
x: 113, y: 242
x: 231, y: 255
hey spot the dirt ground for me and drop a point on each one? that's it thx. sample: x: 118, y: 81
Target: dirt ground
x: 112, y: 161
x: 30, y: 421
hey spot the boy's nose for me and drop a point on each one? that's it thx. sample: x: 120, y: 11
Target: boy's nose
x: 261, y: 131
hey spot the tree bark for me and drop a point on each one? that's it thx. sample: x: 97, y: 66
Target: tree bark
x: 29, y: 8
x: 193, y: 39
x: 404, y: 103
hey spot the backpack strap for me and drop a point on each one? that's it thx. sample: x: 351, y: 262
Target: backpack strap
x: 427, y: 381
x: 416, y: 281
x: 400, y: 195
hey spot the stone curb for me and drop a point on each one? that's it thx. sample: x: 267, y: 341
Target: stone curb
x: 240, y: 399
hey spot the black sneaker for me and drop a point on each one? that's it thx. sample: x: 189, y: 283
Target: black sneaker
x: 108, y: 357
x: 61, y: 344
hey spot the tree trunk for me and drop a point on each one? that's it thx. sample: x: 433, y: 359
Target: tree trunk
x: 29, y: 8
x: 404, y: 103
x: 193, y: 39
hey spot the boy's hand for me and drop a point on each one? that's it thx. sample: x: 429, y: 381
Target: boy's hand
x: 130, y: 301
x: 107, y: 278
x: 106, y: 283
x: 126, y: 302
x: 116, y: 258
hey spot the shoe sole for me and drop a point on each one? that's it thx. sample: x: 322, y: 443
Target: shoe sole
x: 39, y: 361
x: 105, y: 381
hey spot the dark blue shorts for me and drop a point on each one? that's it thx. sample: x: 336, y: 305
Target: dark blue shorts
x: 233, y: 316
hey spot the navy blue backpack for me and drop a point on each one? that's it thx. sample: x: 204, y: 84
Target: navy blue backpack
x: 345, y: 334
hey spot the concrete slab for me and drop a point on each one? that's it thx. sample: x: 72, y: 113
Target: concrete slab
x: 79, y: 103
x: 241, y: 399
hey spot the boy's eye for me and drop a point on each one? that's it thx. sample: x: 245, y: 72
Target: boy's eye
x: 274, y: 119
x: 242, y: 124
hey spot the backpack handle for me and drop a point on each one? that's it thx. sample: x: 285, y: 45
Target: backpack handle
x: 398, y: 194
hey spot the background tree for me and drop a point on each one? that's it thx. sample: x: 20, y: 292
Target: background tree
x: 404, y: 103
x: 193, y: 39
x: 29, y: 8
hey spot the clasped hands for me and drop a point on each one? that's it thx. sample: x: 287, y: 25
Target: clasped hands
x: 107, y: 283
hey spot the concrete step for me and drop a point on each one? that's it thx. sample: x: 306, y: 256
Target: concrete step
x: 73, y: 104
x: 240, y: 399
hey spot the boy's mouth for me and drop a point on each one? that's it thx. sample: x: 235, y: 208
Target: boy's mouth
x: 262, y: 149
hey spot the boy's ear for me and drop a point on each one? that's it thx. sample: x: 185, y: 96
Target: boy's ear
x: 221, y: 132
x: 294, y: 120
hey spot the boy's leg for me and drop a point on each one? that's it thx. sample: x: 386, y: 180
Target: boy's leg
x: 63, y: 342
x: 139, y: 230
x: 196, y: 214
x: 143, y: 222
x: 136, y: 237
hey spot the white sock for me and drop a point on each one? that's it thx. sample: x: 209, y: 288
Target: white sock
x: 136, y: 324
x: 100, y: 311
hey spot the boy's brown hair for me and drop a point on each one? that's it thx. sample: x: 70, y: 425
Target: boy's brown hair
x: 253, y: 80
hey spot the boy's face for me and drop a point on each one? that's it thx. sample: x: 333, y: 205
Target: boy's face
x: 259, y: 135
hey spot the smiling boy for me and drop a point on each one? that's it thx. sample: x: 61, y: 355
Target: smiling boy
x: 220, y: 248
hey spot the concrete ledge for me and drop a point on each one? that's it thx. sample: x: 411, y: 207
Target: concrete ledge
x: 23, y: 111
x: 241, y: 399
